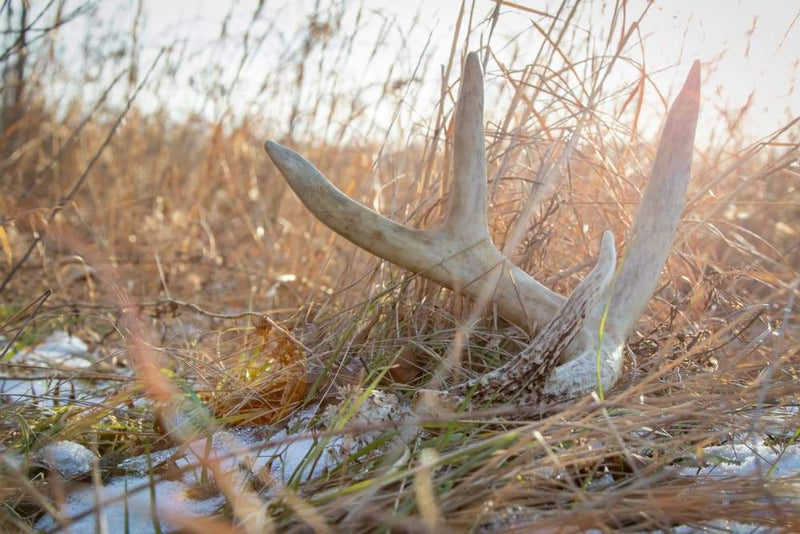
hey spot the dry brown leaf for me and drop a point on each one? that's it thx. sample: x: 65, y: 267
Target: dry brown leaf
x: 268, y: 385
x: 6, y: 246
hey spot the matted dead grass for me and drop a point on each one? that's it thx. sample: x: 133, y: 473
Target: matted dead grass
x: 179, y: 233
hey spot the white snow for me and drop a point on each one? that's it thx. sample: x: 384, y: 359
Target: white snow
x: 59, y: 349
x: 291, y: 460
x: 237, y: 452
x: 171, y: 498
x: 231, y: 448
x: 287, y: 453
x: 748, y: 459
x: 28, y: 382
x: 723, y: 526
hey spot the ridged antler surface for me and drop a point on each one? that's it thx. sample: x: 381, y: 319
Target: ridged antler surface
x: 460, y: 255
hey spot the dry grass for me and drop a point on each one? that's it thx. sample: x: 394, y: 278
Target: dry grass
x: 167, y: 244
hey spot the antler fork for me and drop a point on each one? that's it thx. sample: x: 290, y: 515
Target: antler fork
x: 460, y: 255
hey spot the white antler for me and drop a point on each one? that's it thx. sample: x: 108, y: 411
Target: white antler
x: 460, y: 255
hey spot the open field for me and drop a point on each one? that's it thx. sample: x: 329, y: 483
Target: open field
x: 162, y: 289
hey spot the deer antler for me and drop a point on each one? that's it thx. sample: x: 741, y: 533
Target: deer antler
x: 460, y: 255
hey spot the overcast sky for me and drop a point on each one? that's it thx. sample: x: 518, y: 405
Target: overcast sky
x: 754, y: 45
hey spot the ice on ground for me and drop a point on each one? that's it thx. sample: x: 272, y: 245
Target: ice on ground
x: 70, y: 459
x: 122, y: 511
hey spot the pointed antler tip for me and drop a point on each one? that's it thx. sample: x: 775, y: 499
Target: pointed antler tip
x: 276, y: 152
x: 291, y: 164
x: 270, y: 146
x: 692, y: 84
x: 472, y: 66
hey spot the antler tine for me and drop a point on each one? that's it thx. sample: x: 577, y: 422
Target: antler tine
x: 371, y: 231
x: 459, y: 255
x: 659, y: 211
x: 467, y: 215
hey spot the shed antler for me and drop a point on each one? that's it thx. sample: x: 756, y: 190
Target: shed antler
x: 460, y: 255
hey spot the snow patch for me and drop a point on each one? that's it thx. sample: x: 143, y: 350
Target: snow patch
x: 121, y: 511
x: 59, y: 349
x: 749, y: 459
x: 70, y: 459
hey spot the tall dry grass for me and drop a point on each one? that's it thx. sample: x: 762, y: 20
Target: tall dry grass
x: 118, y: 220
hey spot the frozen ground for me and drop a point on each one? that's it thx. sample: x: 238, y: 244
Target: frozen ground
x: 241, y: 453
x: 288, y: 459
x: 284, y: 457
